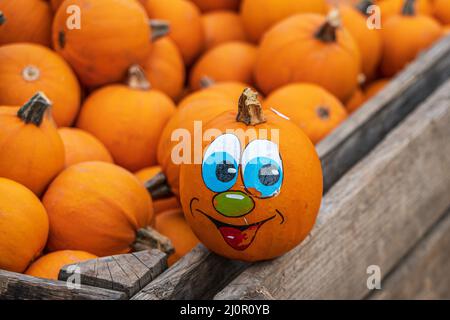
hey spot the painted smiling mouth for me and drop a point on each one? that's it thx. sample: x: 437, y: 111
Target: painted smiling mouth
x: 237, y: 237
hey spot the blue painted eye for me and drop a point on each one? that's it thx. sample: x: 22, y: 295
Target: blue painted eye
x: 219, y: 171
x: 262, y: 168
x: 220, y: 165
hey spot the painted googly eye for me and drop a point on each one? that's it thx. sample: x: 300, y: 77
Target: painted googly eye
x: 262, y: 168
x: 221, y: 163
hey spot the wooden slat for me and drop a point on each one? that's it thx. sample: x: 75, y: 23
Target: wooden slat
x: 339, y: 152
x: 18, y: 286
x: 425, y: 272
x: 127, y: 273
x: 372, y: 216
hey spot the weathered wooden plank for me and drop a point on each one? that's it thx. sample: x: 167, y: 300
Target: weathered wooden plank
x: 372, y: 216
x: 18, y: 286
x: 127, y: 273
x: 425, y: 272
x: 339, y: 152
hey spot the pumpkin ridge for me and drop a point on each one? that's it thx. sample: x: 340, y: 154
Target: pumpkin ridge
x: 33, y: 111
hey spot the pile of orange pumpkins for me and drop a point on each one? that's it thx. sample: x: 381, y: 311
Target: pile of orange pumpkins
x: 92, y: 90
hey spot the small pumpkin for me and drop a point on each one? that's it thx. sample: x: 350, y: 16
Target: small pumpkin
x: 373, y: 88
x: 356, y: 101
x: 257, y: 191
x: 32, y: 152
x: 26, y: 68
x: 186, y: 28
x: 215, y: 5
x: 114, y: 35
x: 96, y: 207
x: 160, y: 205
x: 200, y: 106
x: 313, y: 109
x: 25, y: 21
x: 259, y: 16
x: 354, y: 19
x: 165, y: 69
x: 441, y: 10
x: 81, y: 146
x: 320, y: 51
x: 49, y: 265
x: 221, y: 27
x: 390, y: 8
x: 231, y: 61
x: 128, y: 120
x: 398, y: 49
x: 23, y: 225
x: 173, y: 225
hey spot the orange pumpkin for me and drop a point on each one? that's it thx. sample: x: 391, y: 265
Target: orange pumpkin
x: 25, y: 21
x: 48, y: 266
x: 356, y: 101
x: 398, y: 49
x: 186, y: 28
x: 164, y: 68
x: 32, y: 152
x: 214, y: 5
x: 159, y: 205
x: 28, y: 68
x: 354, y: 19
x: 257, y: 191
x: 81, y: 146
x: 128, y: 120
x: 113, y: 36
x: 259, y: 16
x: 200, y: 106
x: 319, y: 51
x: 96, y: 207
x: 221, y: 27
x: 23, y: 225
x: 441, y: 10
x: 372, y: 89
x: 390, y: 8
x: 55, y: 4
x: 231, y: 61
x: 173, y: 225
x: 313, y: 109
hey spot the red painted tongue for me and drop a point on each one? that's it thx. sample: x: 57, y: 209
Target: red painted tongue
x: 237, y: 239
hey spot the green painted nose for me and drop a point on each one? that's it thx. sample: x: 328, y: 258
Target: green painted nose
x: 233, y: 204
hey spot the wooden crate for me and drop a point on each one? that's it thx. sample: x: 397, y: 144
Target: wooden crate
x: 387, y: 210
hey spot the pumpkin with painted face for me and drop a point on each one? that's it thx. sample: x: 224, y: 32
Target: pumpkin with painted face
x: 257, y: 191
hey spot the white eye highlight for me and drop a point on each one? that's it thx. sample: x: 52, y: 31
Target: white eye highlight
x: 228, y: 143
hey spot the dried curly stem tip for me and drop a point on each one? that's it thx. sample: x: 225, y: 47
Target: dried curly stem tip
x: 2, y: 18
x: 408, y: 8
x: 250, y: 109
x: 327, y: 32
x: 137, y: 78
x: 363, y: 6
x: 34, y: 110
x: 160, y: 28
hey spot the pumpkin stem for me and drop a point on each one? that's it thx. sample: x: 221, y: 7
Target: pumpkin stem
x: 31, y: 73
x: 250, y: 109
x: 33, y: 111
x: 2, y: 18
x: 137, y: 78
x: 160, y: 28
x: 61, y: 39
x: 364, y: 5
x: 323, y: 112
x: 148, y: 238
x: 408, y: 8
x: 327, y: 32
x: 158, y: 187
x: 206, y: 82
